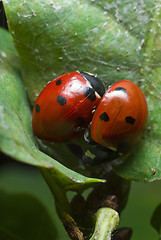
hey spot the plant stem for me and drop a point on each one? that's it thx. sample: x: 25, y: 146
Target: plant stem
x: 62, y: 205
x: 107, y: 220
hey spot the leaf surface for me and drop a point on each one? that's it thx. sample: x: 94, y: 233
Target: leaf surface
x: 16, y: 138
x: 114, y: 39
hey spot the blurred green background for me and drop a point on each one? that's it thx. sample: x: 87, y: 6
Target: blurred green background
x: 143, y: 199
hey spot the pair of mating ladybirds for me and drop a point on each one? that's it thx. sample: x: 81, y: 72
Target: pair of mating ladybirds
x: 69, y: 103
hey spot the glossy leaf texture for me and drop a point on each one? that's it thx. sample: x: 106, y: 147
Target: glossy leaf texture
x: 16, y: 138
x: 115, y: 39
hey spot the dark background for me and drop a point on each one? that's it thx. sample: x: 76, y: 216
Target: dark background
x: 3, y: 20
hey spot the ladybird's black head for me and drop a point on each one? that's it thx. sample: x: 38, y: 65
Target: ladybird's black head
x: 95, y: 82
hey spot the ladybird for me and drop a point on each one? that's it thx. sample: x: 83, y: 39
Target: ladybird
x: 65, y: 106
x: 120, y: 117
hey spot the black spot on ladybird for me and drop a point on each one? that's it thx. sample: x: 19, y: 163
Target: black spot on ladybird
x: 61, y: 100
x: 58, y: 82
x: 90, y: 93
x: 121, y: 89
x: 80, y: 121
x: 37, y: 108
x: 123, y: 147
x: 104, y: 117
x: 130, y: 120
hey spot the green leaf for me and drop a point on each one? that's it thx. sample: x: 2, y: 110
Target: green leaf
x: 156, y: 220
x: 73, y: 35
x: 135, y: 16
x: 16, y: 138
x: 22, y: 216
x: 115, y: 39
x: 144, y: 163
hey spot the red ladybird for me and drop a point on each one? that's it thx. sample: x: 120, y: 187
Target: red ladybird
x: 65, y: 106
x: 120, y: 117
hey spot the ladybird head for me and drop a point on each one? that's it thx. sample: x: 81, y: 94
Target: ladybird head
x: 95, y: 82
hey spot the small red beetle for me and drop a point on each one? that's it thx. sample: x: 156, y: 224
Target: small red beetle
x: 65, y: 106
x: 120, y: 117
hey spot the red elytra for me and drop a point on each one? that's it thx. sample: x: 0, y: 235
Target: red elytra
x: 65, y: 106
x: 120, y: 117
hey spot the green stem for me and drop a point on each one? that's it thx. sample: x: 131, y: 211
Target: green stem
x: 107, y: 220
x: 62, y: 205
x: 58, y: 192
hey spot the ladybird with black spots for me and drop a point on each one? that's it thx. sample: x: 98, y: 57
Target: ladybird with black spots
x: 65, y: 106
x: 121, y: 117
